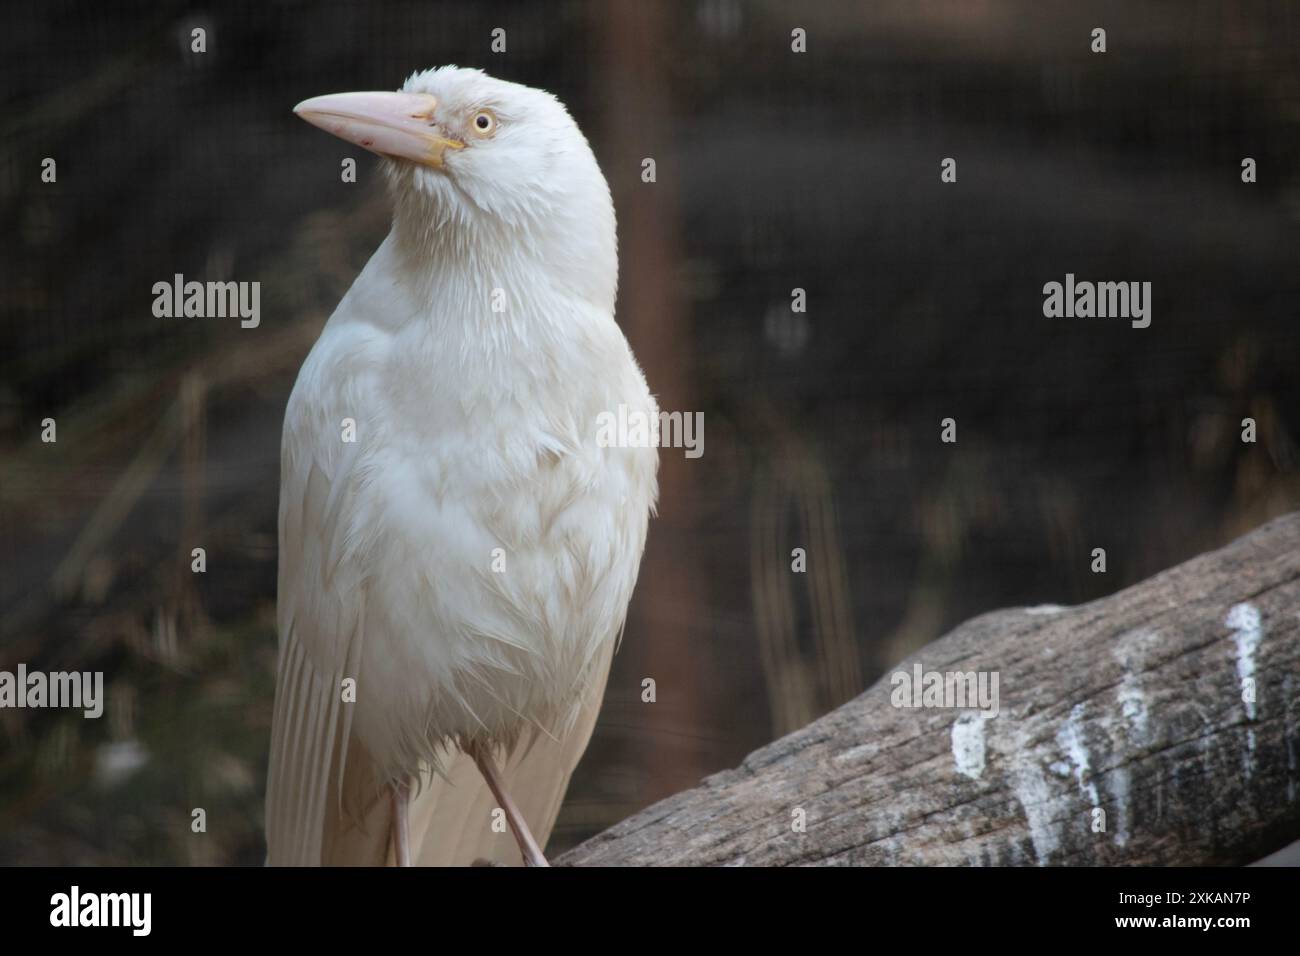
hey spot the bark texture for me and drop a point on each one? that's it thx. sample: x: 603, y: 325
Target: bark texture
x: 1131, y: 705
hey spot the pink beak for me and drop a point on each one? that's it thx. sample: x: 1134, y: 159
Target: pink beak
x: 390, y: 124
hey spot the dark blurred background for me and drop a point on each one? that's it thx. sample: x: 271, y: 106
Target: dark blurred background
x: 775, y: 170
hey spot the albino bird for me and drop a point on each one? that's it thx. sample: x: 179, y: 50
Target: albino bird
x: 457, y: 547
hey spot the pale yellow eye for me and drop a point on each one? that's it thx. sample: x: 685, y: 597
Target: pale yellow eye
x: 484, y: 123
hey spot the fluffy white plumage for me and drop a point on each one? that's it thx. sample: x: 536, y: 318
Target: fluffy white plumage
x: 475, y: 430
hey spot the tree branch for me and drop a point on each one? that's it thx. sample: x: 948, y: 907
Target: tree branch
x: 1132, y: 704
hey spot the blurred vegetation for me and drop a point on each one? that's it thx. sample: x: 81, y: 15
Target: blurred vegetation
x: 775, y: 171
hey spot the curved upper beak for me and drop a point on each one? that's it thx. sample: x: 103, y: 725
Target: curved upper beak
x: 391, y: 124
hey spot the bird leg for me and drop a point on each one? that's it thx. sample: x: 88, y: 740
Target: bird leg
x: 402, y: 823
x: 532, y: 853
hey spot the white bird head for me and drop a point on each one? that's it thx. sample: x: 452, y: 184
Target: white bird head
x: 475, y: 156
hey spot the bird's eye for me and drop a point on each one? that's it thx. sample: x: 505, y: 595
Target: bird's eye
x: 484, y: 123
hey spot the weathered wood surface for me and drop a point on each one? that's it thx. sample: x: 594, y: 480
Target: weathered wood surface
x: 1132, y: 703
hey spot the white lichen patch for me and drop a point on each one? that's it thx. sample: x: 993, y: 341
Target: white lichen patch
x: 1036, y: 793
x: 1133, y: 705
x: 1045, y: 609
x: 1118, y: 782
x: 1131, y: 654
x: 1070, y: 739
x: 1036, y: 800
x: 1247, y: 632
x: 968, y: 745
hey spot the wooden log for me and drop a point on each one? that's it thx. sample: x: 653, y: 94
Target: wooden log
x: 1136, y: 706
